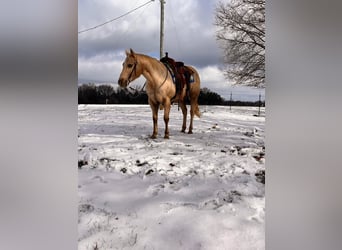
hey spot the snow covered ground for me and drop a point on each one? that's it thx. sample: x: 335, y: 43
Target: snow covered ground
x: 200, y: 191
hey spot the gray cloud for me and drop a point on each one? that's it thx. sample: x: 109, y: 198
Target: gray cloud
x: 189, y: 36
x: 189, y: 32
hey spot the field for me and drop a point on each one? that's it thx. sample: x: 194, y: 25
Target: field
x: 204, y: 190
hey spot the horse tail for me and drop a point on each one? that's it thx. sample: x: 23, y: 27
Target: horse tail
x: 195, y: 90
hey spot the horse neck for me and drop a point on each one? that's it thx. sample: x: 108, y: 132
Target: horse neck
x: 152, y: 69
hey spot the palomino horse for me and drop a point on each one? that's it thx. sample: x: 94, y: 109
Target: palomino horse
x: 160, y: 88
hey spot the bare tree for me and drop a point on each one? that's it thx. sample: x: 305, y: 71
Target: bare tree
x: 241, y: 35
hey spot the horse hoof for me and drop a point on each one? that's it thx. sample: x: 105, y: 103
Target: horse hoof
x: 183, y: 130
x: 166, y: 137
x: 153, y: 137
x: 190, y: 132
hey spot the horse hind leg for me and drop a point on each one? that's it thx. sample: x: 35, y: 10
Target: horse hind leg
x: 194, y: 92
x: 185, y: 112
x: 194, y: 110
x: 191, y: 120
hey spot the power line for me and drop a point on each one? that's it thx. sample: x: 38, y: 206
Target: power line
x: 99, y: 25
x: 122, y: 37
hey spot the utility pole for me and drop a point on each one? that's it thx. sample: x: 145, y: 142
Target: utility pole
x: 162, y: 2
x: 231, y: 100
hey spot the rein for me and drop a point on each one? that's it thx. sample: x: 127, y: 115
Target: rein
x: 133, y: 70
x: 167, y: 73
x: 142, y: 89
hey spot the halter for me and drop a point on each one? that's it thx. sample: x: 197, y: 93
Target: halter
x: 133, y: 70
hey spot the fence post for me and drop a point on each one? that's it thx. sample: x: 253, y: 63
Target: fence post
x: 259, y: 104
x: 230, y: 103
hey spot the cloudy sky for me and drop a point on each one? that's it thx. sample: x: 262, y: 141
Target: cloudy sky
x: 189, y: 36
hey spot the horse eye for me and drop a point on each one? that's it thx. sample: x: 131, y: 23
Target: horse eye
x: 129, y: 65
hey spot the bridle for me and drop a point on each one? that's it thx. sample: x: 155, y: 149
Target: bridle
x: 133, y: 70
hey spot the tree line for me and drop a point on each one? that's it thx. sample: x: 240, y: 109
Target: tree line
x: 106, y: 94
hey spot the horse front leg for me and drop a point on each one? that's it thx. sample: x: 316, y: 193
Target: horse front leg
x: 154, y: 108
x: 185, y: 112
x: 167, y: 107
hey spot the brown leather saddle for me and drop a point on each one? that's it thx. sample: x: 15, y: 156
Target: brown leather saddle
x: 181, y: 74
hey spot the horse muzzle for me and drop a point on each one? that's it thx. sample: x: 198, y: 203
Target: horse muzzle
x: 123, y: 83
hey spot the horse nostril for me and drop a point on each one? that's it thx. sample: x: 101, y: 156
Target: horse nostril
x: 122, y: 83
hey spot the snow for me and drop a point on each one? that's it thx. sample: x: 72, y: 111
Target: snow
x: 193, y: 191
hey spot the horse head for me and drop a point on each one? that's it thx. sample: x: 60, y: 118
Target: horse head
x: 129, y: 69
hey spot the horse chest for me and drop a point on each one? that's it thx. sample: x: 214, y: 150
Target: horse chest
x: 158, y: 94
x: 155, y: 95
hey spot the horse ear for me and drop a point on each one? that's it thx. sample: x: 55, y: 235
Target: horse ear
x: 132, y: 52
